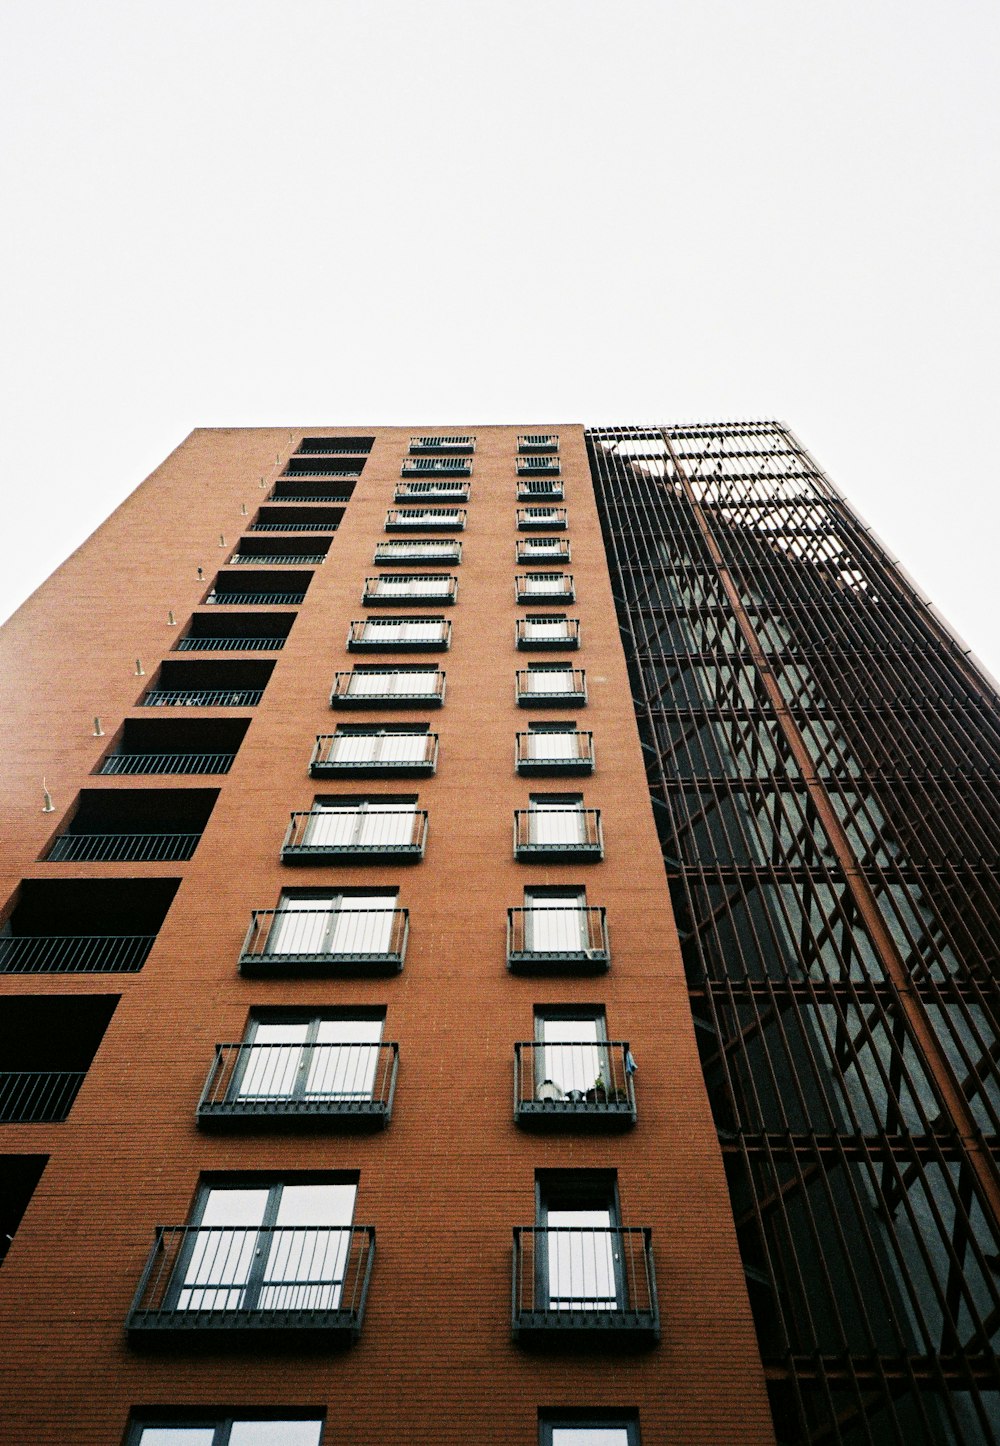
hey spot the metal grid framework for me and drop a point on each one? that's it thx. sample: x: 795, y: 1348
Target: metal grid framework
x: 824, y: 765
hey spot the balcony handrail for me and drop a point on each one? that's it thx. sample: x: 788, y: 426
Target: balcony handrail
x: 74, y: 953
x: 124, y: 763
x: 430, y: 517
x: 319, y: 1078
x: 245, y: 643
x: 529, y: 683
x: 449, y: 466
x: 342, y: 685
x: 570, y: 626
x: 324, y: 749
x: 380, y: 830
x: 466, y: 443
x: 570, y: 1084
x: 275, y: 496
x: 584, y: 743
x: 565, y: 585
x: 349, y: 933
x: 37, y: 1096
x: 122, y: 847
x: 581, y: 1277
x: 255, y: 599
x: 378, y: 588
x: 535, y: 441
x: 588, y: 820
x: 551, y: 487
x: 526, y: 465
x: 443, y: 487
x: 438, y: 551
x: 247, y: 1276
x: 358, y: 631
x: 278, y: 559
x: 593, y: 929
x: 202, y: 697
x: 314, y: 526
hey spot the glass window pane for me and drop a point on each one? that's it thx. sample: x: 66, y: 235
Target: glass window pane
x: 275, y: 1433
x: 177, y: 1436
x: 590, y: 1436
x: 581, y: 1260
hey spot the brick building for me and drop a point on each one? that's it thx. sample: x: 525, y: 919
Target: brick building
x: 356, y: 1083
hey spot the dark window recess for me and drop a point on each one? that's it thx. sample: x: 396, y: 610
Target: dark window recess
x: 316, y: 465
x: 83, y: 926
x: 235, y: 633
x: 175, y: 745
x: 296, y: 519
x: 331, y: 446
x: 19, y: 1177
x: 141, y: 825
x: 305, y: 489
x: 258, y: 587
x: 47, y: 1043
x: 211, y: 683
x: 281, y: 549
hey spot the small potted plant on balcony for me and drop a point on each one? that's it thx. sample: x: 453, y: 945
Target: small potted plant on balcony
x: 604, y: 1094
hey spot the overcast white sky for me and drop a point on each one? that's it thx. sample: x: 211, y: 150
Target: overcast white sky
x: 256, y: 212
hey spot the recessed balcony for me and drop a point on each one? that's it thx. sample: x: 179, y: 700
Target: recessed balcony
x: 367, y: 834
x: 374, y: 754
x: 399, y: 635
x: 557, y: 939
x: 84, y: 926
x: 547, y: 519
x: 540, y: 489
x: 584, y: 1282
x: 388, y: 688
x: 47, y: 1045
x: 548, y: 753
x: 546, y: 685
x: 301, y: 489
x: 568, y: 1085
x: 284, y: 551
x: 553, y: 834
x: 175, y: 745
x: 418, y: 553
x: 259, y: 589
x: 203, y: 1283
x: 322, y: 1086
x: 535, y: 443
x: 438, y: 490
x: 405, y: 589
x: 305, y: 940
x: 543, y: 550
x: 358, y: 447
x: 426, y: 519
x: 541, y: 632
x: 272, y: 518
x: 437, y: 467
x: 551, y: 587
x: 215, y: 684
x: 441, y: 444
x: 236, y: 633
x: 136, y: 825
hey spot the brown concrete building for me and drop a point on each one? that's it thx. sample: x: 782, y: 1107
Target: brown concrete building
x: 356, y: 1084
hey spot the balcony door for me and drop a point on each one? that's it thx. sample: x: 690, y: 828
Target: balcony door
x: 550, y: 680
x: 538, y: 630
x: 579, y: 1264
x: 310, y: 1059
x: 377, y: 746
x: 557, y: 819
x: 555, y: 921
x: 403, y: 630
x: 272, y: 1247
x: 332, y: 924
x: 574, y: 1054
x: 360, y: 823
x: 553, y: 742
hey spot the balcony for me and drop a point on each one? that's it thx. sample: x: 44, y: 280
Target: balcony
x: 374, y: 755
x: 133, y: 826
x: 558, y: 835
x: 553, y: 587
x: 547, y: 685
x: 426, y: 519
x: 418, y: 554
x: 259, y: 589
x: 549, y: 753
x: 399, y: 635
x: 534, y: 443
x: 214, y: 684
x: 388, y: 688
x: 436, y: 491
x: 47, y: 1045
x: 298, y: 1282
x: 323, y: 1086
x: 335, y: 447
x: 317, y: 464
x: 442, y: 444
x: 296, y: 519
x: 283, y: 551
x: 584, y: 1282
x: 324, y: 941
x: 405, y: 589
x: 102, y: 926
x: 178, y: 746
x: 551, y: 519
x: 548, y: 939
x: 437, y: 466
x: 543, y: 550
x: 540, y: 489
x: 235, y: 633
x: 574, y: 1086
x: 302, y: 489
x: 356, y: 836
x: 539, y: 465
x: 539, y: 633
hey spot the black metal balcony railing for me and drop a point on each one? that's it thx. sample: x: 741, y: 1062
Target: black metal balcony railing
x: 243, y: 644
x: 202, y: 697
x: 535, y: 489
x: 117, y: 848
x: 74, y: 953
x: 354, y: 835
x: 540, y: 632
x: 426, y: 519
x: 324, y: 941
x: 334, y: 446
x: 553, y: 939
x: 255, y: 599
x: 389, y: 688
x: 383, y: 755
x: 319, y: 1084
x: 585, y: 1084
x: 399, y: 635
x: 554, y: 519
x: 440, y: 490
x: 284, y: 492
x: 404, y: 589
x: 38, y: 1096
x: 278, y: 559
x: 123, y: 763
x: 316, y: 526
x: 551, y: 586
x: 543, y: 550
x: 536, y: 442
x: 584, y: 1279
x: 550, y: 687
x: 446, y: 466
x: 546, y: 752
x: 202, y: 1279
x: 538, y: 466
x: 442, y: 444
x: 418, y: 552
x: 570, y: 834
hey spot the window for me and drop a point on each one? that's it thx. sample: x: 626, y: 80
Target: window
x: 229, y: 1431
x: 580, y: 1267
x: 551, y: 626
x: 309, y: 1057
x: 427, y: 584
x: 317, y: 923
x: 552, y: 740
x: 383, y: 682
x: 588, y: 1428
x: 538, y: 584
x: 574, y: 1054
x: 549, y: 678
x: 378, y: 745
x: 555, y: 921
x: 370, y: 823
x: 556, y: 818
x: 384, y: 632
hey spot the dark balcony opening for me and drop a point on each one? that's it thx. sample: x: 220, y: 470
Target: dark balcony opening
x: 235, y: 633
x: 83, y: 926
x: 280, y: 550
x: 47, y: 1044
x: 135, y: 825
x: 296, y: 519
x: 586, y: 1085
x: 213, y: 683
x: 318, y: 465
x: 354, y: 830
x: 259, y: 589
x: 332, y: 446
x: 175, y: 745
x: 19, y: 1177
x: 305, y: 489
